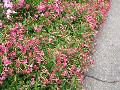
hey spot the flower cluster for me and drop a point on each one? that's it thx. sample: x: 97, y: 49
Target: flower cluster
x: 48, y: 44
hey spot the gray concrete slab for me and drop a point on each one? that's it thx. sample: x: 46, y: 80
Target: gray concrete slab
x: 107, y: 56
x: 93, y: 84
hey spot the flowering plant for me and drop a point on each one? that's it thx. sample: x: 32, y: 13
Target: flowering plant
x: 47, y: 44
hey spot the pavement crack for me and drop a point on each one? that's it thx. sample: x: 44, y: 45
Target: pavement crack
x: 100, y: 79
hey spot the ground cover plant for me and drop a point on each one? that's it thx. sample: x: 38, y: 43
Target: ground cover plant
x: 47, y: 44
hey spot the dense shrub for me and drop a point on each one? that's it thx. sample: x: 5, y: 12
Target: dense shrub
x: 47, y: 45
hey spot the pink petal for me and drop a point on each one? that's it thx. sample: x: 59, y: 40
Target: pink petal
x: 24, y: 61
x: 38, y: 59
x: 7, y: 62
x: 41, y: 7
x: 21, y: 3
x: 41, y: 53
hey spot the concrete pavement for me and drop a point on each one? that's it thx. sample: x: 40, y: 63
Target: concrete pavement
x: 105, y: 73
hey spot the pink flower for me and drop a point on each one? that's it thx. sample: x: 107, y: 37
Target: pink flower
x: 108, y: 5
x: 21, y: 3
x: 2, y: 78
x: 37, y: 29
x: 45, y: 81
x: 8, y: 44
x: 24, y: 50
x: 20, y: 37
x: 4, y: 72
x: 58, y: 60
x: 18, y: 63
x: 80, y: 78
x: 64, y: 64
x: 57, y: 8
x: 35, y: 67
x: 24, y: 61
x: 13, y: 53
x: 6, y: 1
x: 91, y: 9
x: 46, y: 14
x: 21, y: 31
x: 100, y: 1
x: 19, y: 46
x: 31, y: 42
x: 57, y: 79
x: 32, y: 82
x: 27, y: 7
x: 91, y: 21
x: 103, y: 11
x: 65, y: 61
x: 13, y: 31
x: 7, y: 4
x: 73, y: 69
x: 38, y: 59
x: 65, y: 73
x: 30, y: 68
x: 41, y: 53
x: 12, y: 39
x: 26, y: 72
x: 41, y: 7
x: 50, y: 6
x: 91, y: 62
x: 7, y: 62
x: 1, y: 50
x: 30, y: 54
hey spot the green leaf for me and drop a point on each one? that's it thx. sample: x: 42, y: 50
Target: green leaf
x: 1, y: 35
x: 24, y: 22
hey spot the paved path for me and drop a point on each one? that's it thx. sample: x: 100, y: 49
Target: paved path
x: 105, y: 74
